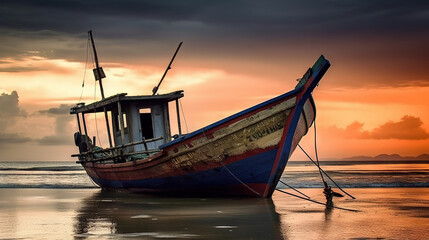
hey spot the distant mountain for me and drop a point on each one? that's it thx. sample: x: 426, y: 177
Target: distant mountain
x: 388, y: 157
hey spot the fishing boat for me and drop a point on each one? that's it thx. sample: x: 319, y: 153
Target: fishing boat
x: 242, y: 155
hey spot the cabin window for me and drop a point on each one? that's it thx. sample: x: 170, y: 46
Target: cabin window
x: 146, y: 123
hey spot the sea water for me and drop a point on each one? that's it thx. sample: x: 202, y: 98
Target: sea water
x: 365, y: 174
x: 57, y: 200
x: 43, y: 175
x: 298, y: 174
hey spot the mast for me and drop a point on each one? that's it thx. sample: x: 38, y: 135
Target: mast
x: 155, y: 89
x: 99, y: 74
x: 98, y: 71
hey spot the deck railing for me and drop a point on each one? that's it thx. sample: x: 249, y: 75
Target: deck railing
x: 115, y: 153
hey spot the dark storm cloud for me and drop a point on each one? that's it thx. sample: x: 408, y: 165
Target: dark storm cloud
x: 320, y: 16
x: 375, y: 35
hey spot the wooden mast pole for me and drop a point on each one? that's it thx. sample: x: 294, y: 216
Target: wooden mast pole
x: 155, y: 89
x: 99, y: 74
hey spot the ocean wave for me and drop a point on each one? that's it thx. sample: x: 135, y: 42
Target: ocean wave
x: 83, y: 173
x: 378, y: 171
x: 359, y: 185
x: 360, y: 172
x: 280, y: 186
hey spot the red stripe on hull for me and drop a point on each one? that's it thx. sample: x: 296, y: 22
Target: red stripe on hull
x: 140, y: 171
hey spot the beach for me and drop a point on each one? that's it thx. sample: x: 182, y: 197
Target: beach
x: 382, y: 213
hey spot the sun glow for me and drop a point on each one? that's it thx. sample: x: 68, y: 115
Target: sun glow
x: 210, y: 95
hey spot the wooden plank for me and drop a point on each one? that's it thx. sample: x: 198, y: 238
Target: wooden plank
x: 118, y: 156
x: 117, y: 147
x: 121, y: 122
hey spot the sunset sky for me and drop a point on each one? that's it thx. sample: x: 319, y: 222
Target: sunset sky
x: 373, y: 100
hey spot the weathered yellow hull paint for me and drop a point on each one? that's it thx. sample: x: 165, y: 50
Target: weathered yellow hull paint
x: 259, y: 131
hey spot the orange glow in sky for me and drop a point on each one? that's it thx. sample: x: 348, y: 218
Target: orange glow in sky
x: 350, y: 121
x: 373, y: 99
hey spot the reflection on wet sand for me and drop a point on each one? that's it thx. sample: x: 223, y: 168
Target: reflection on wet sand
x: 384, y: 213
x: 120, y: 214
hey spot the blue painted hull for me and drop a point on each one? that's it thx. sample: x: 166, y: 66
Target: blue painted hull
x: 254, y: 170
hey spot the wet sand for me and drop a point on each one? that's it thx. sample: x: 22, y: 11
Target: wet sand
x: 384, y: 213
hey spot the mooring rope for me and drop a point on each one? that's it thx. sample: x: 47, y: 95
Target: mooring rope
x: 325, y: 173
x: 238, y: 179
x: 314, y: 201
x: 315, y: 151
x: 296, y: 190
x: 231, y: 173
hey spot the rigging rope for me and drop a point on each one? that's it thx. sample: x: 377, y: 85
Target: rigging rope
x: 244, y: 184
x: 92, y: 56
x: 84, y: 71
x: 231, y: 173
x: 315, y: 151
x: 296, y: 190
x: 83, y: 85
x: 95, y: 116
x: 325, y: 173
x: 95, y: 113
x: 318, y: 164
x: 184, y: 118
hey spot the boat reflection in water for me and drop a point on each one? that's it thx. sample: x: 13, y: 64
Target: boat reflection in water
x: 108, y: 214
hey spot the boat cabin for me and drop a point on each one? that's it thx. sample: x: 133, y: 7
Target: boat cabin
x: 137, y: 124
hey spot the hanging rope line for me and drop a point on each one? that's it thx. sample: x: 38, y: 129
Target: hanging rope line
x: 95, y: 93
x: 84, y: 71
x: 95, y: 115
x: 95, y: 185
x: 231, y: 173
x: 325, y: 173
x: 92, y: 55
x: 236, y: 178
x: 184, y: 118
x: 314, y: 201
x: 296, y: 190
x: 317, y: 157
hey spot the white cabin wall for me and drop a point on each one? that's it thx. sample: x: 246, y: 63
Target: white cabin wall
x: 135, y: 127
x: 158, y: 124
x: 133, y: 131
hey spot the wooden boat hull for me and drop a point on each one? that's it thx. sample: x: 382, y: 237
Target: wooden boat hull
x: 244, y: 154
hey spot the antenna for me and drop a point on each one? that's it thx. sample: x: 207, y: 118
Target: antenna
x: 155, y: 89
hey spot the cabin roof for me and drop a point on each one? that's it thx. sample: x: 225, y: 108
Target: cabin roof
x: 111, y: 102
